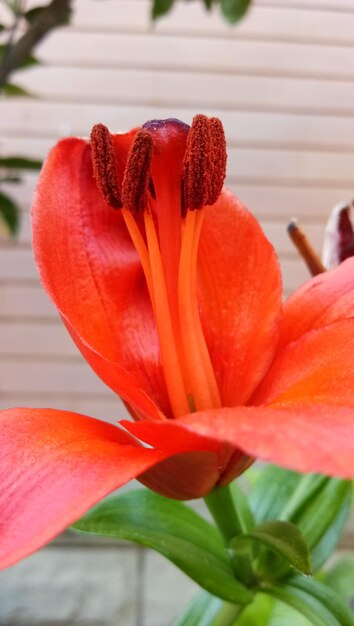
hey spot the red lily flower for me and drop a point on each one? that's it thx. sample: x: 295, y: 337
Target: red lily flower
x: 173, y: 295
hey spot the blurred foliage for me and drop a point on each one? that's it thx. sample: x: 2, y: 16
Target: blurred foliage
x: 232, y: 10
x: 21, y: 30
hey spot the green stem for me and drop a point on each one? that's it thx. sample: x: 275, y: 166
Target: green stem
x: 227, y: 615
x: 221, y: 505
x: 232, y: 521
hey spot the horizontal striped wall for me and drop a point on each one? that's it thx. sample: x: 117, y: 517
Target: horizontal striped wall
x: 282, y: 82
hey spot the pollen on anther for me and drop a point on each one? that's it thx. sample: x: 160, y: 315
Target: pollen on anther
x: 218, y: 158
x: 104, y: 165
x: 137, y: 181
x: 204, y: 163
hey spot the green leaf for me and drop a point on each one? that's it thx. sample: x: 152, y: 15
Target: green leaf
x: 13, y: 91
x: 329, y: 540
x: 173, y: 529
x: 259, y: 612
x: 327, y: 597
x: 206, y: 610
x: 340, y: 578
x: 272, y: 491
x: 319, y: 515
x: 313, y: 604
x: 208, y: 4
x: 316, y: 504
x: 161, y: 7
x: 234, y: 10
x: 283, y: 538
x: 200, y: 611
x: 20, y: 163
x: 30, y: 61
x: 34, y: 13
x: 9, y: 212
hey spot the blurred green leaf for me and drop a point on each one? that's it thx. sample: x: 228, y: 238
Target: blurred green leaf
x: 12, y: 90
x: 30, y: 61
x: 328, y: 541
x: 200, y: 611
x: 161, y: 7
x: 318, y: 505
x: 10, y: 179
x: 234, y: 10
x: 173, y: 529
x: 34, y: 13
x: 272, y: 491
x: 20, y: 163
x: 283, y: 538
x: 208, y: 4
x: 315, y: 601
x: 9, y: 212
x: 206, y: 610
x: 340, y: 578
x: 258, y: 613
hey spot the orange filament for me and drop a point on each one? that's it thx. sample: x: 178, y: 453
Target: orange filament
x: 105, y: 165
x: 169, y: 353
x: 199, y: 367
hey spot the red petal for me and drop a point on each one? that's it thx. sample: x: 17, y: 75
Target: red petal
x: 322, y: 300
x: 304, y: 438
x: 54, y: 465
x: 240, y: 297
x: 90, y: 268
x: 118, y: 379
x: 185, y: 476
x: 198, y: 464
x: 318, y: 368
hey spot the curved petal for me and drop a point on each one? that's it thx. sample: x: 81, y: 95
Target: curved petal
x: 304, y: 438
x: 119, y: 380
x: 198, y: 464
x: 185, y: 476
x: 54, y: 465
x: 327, y: 298
x: 89, y: 266
x: 318, y: 368
x: 240, y: 297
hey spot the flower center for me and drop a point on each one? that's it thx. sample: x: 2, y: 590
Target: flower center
x: 171, y: 173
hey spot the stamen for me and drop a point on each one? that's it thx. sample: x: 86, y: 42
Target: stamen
x: 204, y: 163
x: 307, y: 252
x: 105, y: 165
x: 218, y: 158
x: 140, y: 246
x: 169, y: 352
x: 136, y: 181
x: 201, y: 375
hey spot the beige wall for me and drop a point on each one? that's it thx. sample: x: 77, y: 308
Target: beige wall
x: 282, y: 82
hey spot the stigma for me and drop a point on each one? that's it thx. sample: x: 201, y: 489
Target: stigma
x: 161, y: 179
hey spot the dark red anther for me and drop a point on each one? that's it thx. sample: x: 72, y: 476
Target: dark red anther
x: 218, y: 159
x: 204, y: 165
x: 105, y: 165
x: 137, y: 181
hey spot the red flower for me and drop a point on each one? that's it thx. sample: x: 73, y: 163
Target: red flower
x: 173, y: 295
